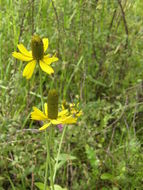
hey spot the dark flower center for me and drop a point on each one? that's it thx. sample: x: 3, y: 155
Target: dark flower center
x: 37, y: 47
x: 53, y: 104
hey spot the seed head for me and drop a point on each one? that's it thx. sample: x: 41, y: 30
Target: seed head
x: 37, y: 47
x: 53, y: 104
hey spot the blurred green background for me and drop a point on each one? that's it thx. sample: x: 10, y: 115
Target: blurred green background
x: 100, y: 48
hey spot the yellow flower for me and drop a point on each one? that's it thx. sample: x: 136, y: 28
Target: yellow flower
x: 39, y: 47
x: 62, y: 118
x: 72, y: 108
x: 51, y: 114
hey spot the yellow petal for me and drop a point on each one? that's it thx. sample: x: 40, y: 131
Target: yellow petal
x: 38, y: 115
x: 45, y: 126
x: 46, y: 68
x: 46, y: 43
x: 48, y: 60
x: 28, y: 70
x: 78, y: 114
x: 72, y: 104
x: 55, y: 121
x: 46, y: 109
x: 21, y: 56
x: 64, y: 112
x: 69, y: 120
x: 53, y: 59
x: 24, y: 51
x: 47, y: 56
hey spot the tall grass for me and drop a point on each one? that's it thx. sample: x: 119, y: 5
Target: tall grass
x: 100, y: 64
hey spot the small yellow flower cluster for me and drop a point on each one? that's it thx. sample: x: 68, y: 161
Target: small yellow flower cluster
x: 68, y: 113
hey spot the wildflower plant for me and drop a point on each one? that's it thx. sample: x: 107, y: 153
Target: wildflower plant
x: 37, y: 55
x: 52, y: 113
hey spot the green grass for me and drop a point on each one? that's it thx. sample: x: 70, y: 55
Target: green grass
x: 100, y: 65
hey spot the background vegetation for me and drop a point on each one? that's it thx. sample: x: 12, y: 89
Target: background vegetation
x: 100, y: 48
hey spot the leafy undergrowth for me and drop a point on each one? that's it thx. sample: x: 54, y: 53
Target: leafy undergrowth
x: 100, y: 50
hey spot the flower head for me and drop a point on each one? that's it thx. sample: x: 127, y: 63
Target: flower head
x: 51, y: 115
x: 39, y: 47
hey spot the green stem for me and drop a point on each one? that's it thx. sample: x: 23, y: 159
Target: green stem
x: 48, y: 162
x: 59, y: 150
x: 48, y: 142
x: 47, y: 159
x: 41, y: 89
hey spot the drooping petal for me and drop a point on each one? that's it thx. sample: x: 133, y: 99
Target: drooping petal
x: 69, y: 120
x: 46, y: 68
x: 46, y: 109
x: 55, y: 121
x: 48, y: 60
x: 47, y: 56
x: 28, y: 70
x: 21, y: 57
x: 38, y: 115
x: 63, y: 108
x: 24, y: 51
x: 63, y: 112
x: 46, y: 43
x: 54, y: 59
x: 45, y: 126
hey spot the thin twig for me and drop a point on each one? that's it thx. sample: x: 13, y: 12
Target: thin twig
x: 134, y: 116
x: 21, y: 27
x: 94, y: 54
x: 115, y: 126
x: 32, y: 18
x: 28, y: 130
x: 125, y: 22
x: 32, y: 181
x: 58, y: 26
x: 111, y: 24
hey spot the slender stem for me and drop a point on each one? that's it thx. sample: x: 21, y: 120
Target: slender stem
x: 47, y: 159
x: 48, y: 142
x: 41, y: 89
x: 58, y: 154
x: 48, y: 162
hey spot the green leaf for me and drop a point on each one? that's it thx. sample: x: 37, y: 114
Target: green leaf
x: 66, y: 157
x: 63, y: 158
x: 91, y: 154
x: 107, y: 176
x: 97, y: 82
x: 41, y: 186
x: 57, y: 187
